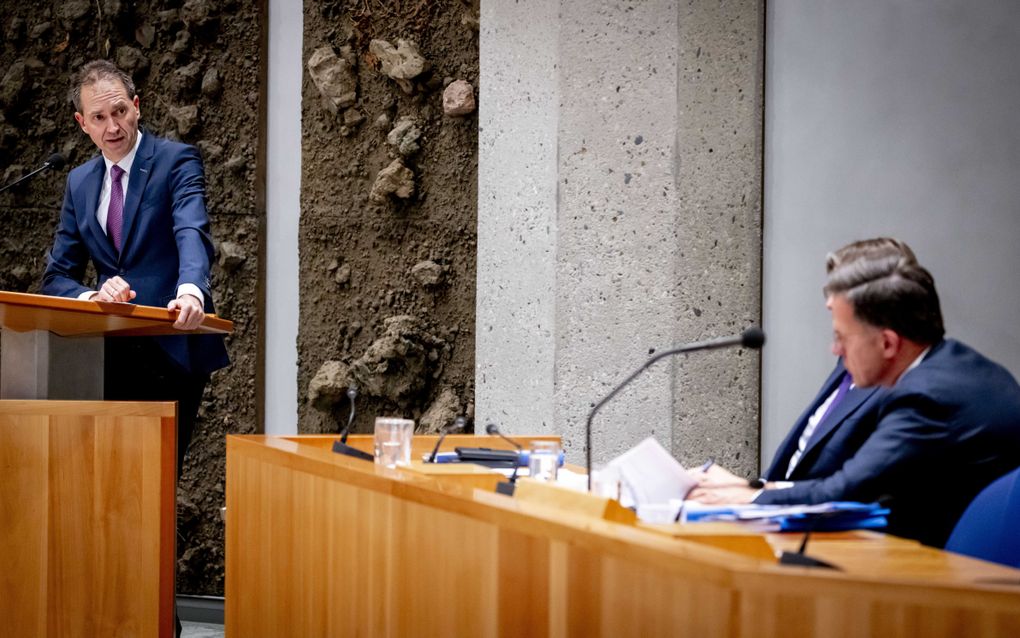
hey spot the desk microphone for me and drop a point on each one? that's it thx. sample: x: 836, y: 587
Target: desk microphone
x: 55, y: 161
x: 457, y: 426
x: 752, y: 338
x: 800, y: 558
x: 506, y: 487
x: 341, y: 447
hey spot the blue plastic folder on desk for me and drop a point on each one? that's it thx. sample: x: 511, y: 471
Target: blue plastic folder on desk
x: 522, y: 459
x: 836, y: 516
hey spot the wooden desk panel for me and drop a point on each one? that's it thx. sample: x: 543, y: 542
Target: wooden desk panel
x: 320, y: 544
x: 87, y: 518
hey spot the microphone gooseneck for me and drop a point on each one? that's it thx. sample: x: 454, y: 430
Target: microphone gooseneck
x: 55, y: 161
x: 800, y: 558
x: 457, y: 426
x: 352, y: 393
x: 492, y: 430
x: 753, y: 338
x: 341, y: 447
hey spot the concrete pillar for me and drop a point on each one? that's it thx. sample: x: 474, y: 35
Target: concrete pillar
x: 619, y: 214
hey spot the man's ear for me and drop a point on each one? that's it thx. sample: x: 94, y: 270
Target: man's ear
x: 80, y: 119
x: 891, y: 343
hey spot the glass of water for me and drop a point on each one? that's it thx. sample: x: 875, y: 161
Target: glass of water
x: 544, y: 460
x: 393, y: 441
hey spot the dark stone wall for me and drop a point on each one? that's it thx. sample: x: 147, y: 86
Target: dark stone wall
x: 388, y: 211
x: 196, y: 65
x: 387, y: 264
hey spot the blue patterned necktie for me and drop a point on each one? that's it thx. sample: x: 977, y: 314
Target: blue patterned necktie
x: 115, y: 216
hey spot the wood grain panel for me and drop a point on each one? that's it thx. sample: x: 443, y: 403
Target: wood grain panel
x: 320, y: 544
x: 90, y: 488
x: 24, y: 537
x: 525, y: 584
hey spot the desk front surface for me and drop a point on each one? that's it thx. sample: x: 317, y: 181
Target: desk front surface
x: 390, y: 551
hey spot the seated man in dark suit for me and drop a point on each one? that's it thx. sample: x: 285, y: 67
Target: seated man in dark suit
x: 843, y: 414
x: 947, y: 418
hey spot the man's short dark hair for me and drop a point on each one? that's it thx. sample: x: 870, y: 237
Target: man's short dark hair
x: 887, y: 288
x: 877, y: 248
x: 95, y: 71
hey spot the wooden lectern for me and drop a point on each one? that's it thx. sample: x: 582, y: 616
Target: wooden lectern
x: 88, y: 489
x: 52, y: 347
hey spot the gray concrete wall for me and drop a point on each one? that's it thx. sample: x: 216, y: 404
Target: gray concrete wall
x: 283, y: 205
x: 619, y: 214
x: 515, y: 343
x: 895, y: 118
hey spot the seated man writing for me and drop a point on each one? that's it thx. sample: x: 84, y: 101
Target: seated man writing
x: 946, y: 419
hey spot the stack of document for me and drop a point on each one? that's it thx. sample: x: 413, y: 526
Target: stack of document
x: 824, y: 517
x: 650, y: 475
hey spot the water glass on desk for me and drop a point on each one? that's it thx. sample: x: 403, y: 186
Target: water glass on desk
x: 393, y: 441
x: 544, y: 460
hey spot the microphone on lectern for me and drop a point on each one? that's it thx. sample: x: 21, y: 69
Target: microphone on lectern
x: 506, y: 487
x: 752, y: 338
x: 341, y: 447
x: 457, y: 426
x: 55, y: 161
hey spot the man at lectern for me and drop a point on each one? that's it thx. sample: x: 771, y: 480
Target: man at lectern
x: 946, y: 418
x: 137, y: 211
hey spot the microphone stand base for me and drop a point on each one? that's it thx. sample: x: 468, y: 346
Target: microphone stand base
x: 803, y: 560
x: 342, y: 448
x: 506, y: 487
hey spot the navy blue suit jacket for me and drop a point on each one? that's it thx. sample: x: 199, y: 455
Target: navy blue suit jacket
x: 166, y: 240
x: 835, y: 439
x: 947, y: 429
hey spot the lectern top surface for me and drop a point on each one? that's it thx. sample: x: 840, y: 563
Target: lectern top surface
x: 76, y: 318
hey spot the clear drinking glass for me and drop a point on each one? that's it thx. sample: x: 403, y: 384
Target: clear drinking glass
x: 544, y: 460
x: 393, y: 441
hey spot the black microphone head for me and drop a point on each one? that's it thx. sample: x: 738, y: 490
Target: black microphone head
x: 492, y: 429
x: 753, y: 338
x: 56, y: 161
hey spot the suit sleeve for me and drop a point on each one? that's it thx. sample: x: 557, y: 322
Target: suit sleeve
x: 65, y: 265
x: 191, y: 221
x: 910, y: 437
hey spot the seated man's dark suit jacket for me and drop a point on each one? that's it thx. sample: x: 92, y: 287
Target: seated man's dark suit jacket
x: 166, y: 240
x: 836, y: 437
x: 947, y: 429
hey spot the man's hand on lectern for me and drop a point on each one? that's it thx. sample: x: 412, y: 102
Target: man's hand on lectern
x: 115, y: 289
x: 191, y: 313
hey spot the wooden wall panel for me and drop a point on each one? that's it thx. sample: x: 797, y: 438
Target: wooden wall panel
x: 24, y: 537
x: 88, y: 509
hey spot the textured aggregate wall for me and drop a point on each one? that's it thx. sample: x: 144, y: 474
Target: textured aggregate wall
x: 620, y: 181
x: 196, y: 67
x: 720, y: 92
x: 388, y: 211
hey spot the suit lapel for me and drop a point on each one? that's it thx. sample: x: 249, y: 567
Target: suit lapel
x: 92, y: 185
x: 853, y: 400
x: 141, y: 168
x: 777, y: 469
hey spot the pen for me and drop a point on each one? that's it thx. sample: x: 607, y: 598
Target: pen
x: 707, y: 464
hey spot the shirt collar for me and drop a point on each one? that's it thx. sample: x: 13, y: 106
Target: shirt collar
x: 916, y: 362
x: 126, y: 161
